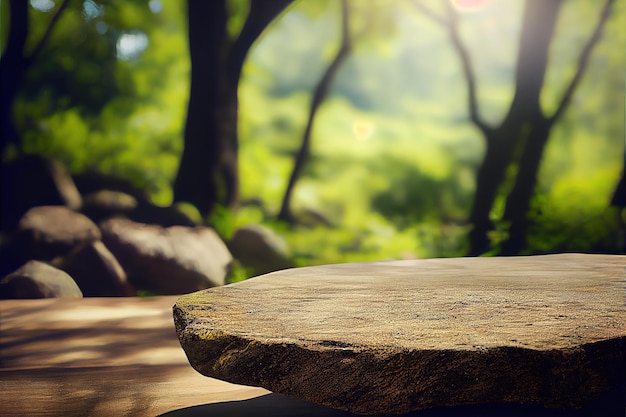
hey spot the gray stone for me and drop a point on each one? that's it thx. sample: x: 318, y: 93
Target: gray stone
x: 397, y: 336
x: 103, y: 204
x: 107, y: 196
x: 46, y: 232
x: 167, y: 260
x: 38, y: 280
x: 260, y: 249
x: 96, y: 271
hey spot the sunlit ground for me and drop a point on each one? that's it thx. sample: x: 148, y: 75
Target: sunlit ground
x: 126, y: 334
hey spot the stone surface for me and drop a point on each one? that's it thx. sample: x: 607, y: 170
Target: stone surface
x: 260, y: 249
x: 104, y: 204
x: 107, y: 196
x: 391, y: 337
x: 45, y: 232
x: 167, y: 260
x: 38, y: 280
x: 96, y: 271
x: 119, y: 356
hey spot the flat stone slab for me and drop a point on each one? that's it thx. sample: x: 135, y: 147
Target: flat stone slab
x: 398, y: 336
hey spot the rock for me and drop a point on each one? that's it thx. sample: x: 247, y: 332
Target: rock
x: 96, y: 271
x: 32, y: 181
x: 260, y: 249
x: 104, y: 204
x: 172, y: 260
x: 38, y: 280
x: 397, y: 336
x: 163, y: 216
x: 90, y: 182
x: 46, y: 232
x: 107, y: 196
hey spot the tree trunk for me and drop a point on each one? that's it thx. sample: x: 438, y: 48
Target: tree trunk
x: 518, y: 200
x: 488, y: 179
x: 537, y: 30
x: 207, y: 173
x: 196, y: 181
x: 321, y: 90
x: 619, y: 201
x: 619, y: 196
x: 12, y: 66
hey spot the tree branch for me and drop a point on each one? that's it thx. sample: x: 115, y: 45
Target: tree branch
x: 261, y: 14
x: 583, y: 60
x: 451, y: 24
x: 321, y: 90
x: 53, y: 22
x: 441, y: 20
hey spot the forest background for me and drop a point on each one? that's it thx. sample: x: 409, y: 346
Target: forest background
x: 399, y: 126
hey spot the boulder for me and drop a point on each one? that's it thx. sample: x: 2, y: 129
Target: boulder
x: 109, y: 196
x: 46, y: 232
x: 104, y: 204
x: 397, y: 336
x: 90, y: 182
x: 164, y: 216
x: 260, y: 249
x: 96, y: 271
x: 38, y: 280
x: 167, y: 260
x: 31, y: 181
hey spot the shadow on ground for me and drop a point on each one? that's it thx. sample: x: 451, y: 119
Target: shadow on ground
x: 274, y: 405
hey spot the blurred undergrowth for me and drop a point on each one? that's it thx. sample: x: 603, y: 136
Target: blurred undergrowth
x: 392, y: 171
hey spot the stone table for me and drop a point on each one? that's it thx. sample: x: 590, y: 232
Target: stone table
x: 397, y: 336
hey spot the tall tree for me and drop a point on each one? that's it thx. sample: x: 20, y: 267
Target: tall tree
x: 207, y: 173
x: 521, y: 136
x: 518, y: 200
x: 321, y: 90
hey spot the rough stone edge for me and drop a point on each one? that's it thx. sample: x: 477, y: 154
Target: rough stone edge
x: 552, y: 377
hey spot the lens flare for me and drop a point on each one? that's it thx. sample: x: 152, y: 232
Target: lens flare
x: 362, y: 129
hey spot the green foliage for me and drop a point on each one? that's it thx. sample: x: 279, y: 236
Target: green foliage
x: 573, y: 214
x: 393, y: 152
x: 237, y: 14
x: 118, y: 116
x: 238, y: 273
x: 412, y: 166
x: 413, y: 197
x: 225, y: 221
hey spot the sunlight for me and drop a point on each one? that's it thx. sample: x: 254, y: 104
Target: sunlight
x: 42, y: 5
x: 155, y: 6
x: 469, y: 5
x: 91, y: 10
x: 131, y: 44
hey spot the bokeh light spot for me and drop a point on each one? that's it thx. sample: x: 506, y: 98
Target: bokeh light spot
x: 362, y: 129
